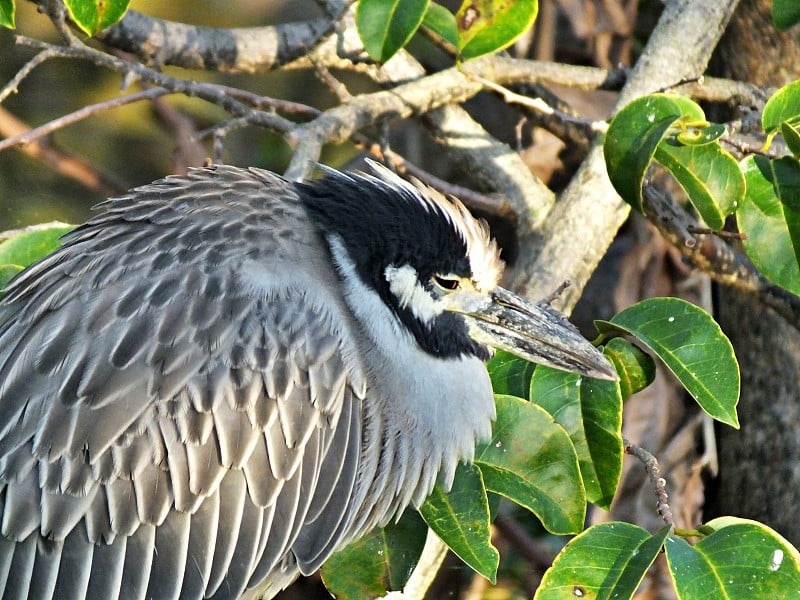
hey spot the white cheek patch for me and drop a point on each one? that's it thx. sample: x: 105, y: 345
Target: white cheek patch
x: 404, y: 284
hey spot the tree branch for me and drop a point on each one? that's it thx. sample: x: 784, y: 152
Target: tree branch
x: 236, y: 50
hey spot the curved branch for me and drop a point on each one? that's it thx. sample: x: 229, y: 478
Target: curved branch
x: 236, y: 50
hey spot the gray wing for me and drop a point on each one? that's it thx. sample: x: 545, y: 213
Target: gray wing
x: 176, y: 420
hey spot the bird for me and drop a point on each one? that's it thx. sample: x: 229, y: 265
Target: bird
x: 223, y: 377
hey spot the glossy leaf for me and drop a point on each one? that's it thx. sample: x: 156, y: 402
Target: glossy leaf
x: 385, y: 26
x: 442, y: 22
x: 783, y: 105
x: 606, y: 561
x: 769, y: 218
x: 510, y: 374
x: 636, y: 369
x: 7, y: 14
x: 486, y: 26
x: 741, y: 560
x: 692, y: 346
x: 378, y: 562
x: 531, y: 460
x: 93, y: 16
x: 634, y: 135
x: 785, y: 13
x: 590, y: 411
x: 708, y: 174
x: 460, y: 518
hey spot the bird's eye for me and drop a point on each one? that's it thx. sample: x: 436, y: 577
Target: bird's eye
x: 447, y: 283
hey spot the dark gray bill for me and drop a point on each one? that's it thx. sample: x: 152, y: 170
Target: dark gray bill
x: 539, y: 333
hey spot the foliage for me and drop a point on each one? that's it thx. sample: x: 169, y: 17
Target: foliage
x: 479, y: 26
x: 762, y: 191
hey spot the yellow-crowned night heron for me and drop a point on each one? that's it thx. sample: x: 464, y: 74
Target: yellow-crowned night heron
x: 226, y: 376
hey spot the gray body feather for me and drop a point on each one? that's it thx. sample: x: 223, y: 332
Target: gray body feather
x: 195, y: 403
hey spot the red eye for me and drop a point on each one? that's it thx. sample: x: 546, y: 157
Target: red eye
x: 447, y: 283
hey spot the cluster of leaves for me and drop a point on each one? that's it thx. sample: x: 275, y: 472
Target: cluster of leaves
x: 478, y: 27
x: 556, y: 445
x: 763, y: 192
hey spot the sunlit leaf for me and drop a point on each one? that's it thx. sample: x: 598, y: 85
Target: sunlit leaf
x: 606, y: 561
x: 590, y: 411
x: 741, y: 560
x: 442, y: 22
x: 770, y: 219
x: 7, y: 273
x: 378, y: 562
x: 635, y: 133
x: 93, y: 16
x: 460, y: 518
x: 636, y: 369
x: 486, y: 26
x: 30, y: 246
x: 692, y: 346
x: 531, y: 460
x: 385, y: 26
x: 783, y: 105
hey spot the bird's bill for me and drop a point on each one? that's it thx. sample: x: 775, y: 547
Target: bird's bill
x: 536, y: 332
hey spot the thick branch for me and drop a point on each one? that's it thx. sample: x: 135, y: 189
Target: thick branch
x: 242, y: 50
x: 590, y: 210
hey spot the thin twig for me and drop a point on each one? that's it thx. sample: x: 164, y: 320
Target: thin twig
x: 205, y: 91
x: 79, y: 115
x: 12, y: 86
x: 654, y: 473
x: 65, y: 163
x: 540, y: 106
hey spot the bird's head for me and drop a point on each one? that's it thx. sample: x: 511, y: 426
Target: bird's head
x: 436, y: 267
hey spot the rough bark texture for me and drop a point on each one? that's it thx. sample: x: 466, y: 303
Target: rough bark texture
x: 760, y: 465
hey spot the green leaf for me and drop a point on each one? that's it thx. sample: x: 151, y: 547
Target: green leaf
x: 510, y: 374
x: 378, y: 562
x: 634, y: 135
x: 709, y: 175
x: 785, y: 13
x: 792, y: 137
x: 692, y: 346
x: 93, y: 16
x: 769, y: 218
x: 7, y: 14
x: 486, y: 26
x: 385, y: 26
x: 460, y: 518
x: 442, y: 22
x: 784, y: 105
x: 700, y: 136
x: 590, y: 411
x: 531, y: 461
x: 636, y: 369
x: 606, y: 561
x: 28, y: 247
x: 741, y: 560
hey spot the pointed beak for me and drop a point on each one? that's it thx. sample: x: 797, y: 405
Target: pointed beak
x: 535, y: 332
